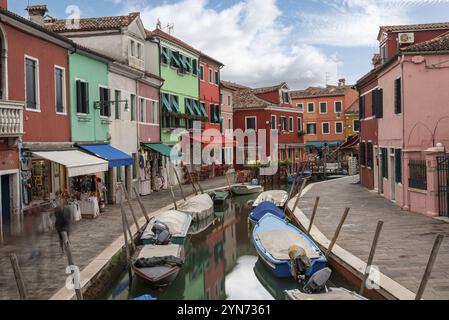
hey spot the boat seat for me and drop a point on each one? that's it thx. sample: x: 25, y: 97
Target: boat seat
x: 277, y: 243
x: 151, y: 251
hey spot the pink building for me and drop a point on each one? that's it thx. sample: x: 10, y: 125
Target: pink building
x: 410, y: 104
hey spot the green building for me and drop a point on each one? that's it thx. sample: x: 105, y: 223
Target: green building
x: 88, y: 83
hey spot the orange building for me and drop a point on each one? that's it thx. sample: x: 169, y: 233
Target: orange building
x: 324, y: 114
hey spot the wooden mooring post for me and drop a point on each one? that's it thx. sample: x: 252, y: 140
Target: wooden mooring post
x: 128, y: 201
x: 180, y: 184
x: 127, y: 250
x: 371, y: 257
x: 299, y: 196
x: 312, y: 218
x: 191, y: 181
x: 429, y: 267
x: 142, y: 207
x: 126, y: 224
x: 72, y: 266
x: 18, y: 276
x: 337, y: 232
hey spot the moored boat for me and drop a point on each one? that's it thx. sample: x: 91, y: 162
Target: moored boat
x: 263, y: 209
x: 199, y: 207
x: 332, y: 294
x: 178, y: 224
x: 243, y: 189
x: 272, y: 236
x: 158, y: 265
x: 278, y: 197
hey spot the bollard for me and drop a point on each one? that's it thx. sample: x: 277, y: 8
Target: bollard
x: 18, y: 276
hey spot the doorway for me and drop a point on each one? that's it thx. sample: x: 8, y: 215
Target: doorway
x: 5, y: 197
x: 392, y: 176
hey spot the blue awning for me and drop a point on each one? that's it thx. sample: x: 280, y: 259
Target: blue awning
x: 115, y: 157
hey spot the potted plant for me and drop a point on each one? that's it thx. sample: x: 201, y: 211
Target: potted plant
x: 301, y: 133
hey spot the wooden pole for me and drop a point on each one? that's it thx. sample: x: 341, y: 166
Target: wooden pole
x: 371, y: 256
x: 127, y: 251
x: 312, y: 219
x: 122, y: 209
x: 337, y: 232
x: 429, y: 267
x: 130, y: 205
x: 293, y: 187
x: 299, y: 195
x: 142, y: 207
x: 68, y: 251
x: 191, y: 181
x: 199, y: 185
x: 171, y: 191
x: 18, y: 276
x: 180, y: 184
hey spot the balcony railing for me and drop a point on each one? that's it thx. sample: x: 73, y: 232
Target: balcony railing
x: 136, y: 63
x: 11, y: 119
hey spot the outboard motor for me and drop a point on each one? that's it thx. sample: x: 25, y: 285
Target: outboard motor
x: 161, y: 232
x: 317, y: 282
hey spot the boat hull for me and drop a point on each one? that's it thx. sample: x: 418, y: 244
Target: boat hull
x: 241, y: 190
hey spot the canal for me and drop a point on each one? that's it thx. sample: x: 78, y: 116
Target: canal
x: 221, y: 263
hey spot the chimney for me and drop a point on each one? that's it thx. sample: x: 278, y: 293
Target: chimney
x: 341, y: 82
x: 37, y: 13
x: 4, y: 4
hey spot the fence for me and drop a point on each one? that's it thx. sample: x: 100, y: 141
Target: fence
x: 418, y: 174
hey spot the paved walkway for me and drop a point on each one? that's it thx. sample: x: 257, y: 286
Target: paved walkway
x: 45, y: 275
x: 406, y: 239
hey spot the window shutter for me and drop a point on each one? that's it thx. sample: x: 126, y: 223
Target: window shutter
x: 362, y: 153
x: 79, y: 97
x: 381, y: 103
x: 397, y: 96
x: 398, y: 165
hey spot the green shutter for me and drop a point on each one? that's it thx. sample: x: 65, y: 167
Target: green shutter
x: 165, y: 54
x: 166, y: 102
x: 175, y: 59
x: 189, y: 107
x: 203, y: 110
x: 398, y: 165
x: 175, y: 104
x: 195, y: 107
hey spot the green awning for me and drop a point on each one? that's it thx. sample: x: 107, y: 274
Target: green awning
x: 163, y: 149
x: 166, y: 103
x: 203, y: 110
x: 176, y: 104
x: 320, y: 144
x: 189, y: 107
x: 195, y: 107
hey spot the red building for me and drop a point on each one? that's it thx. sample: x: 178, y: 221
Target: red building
x: 270, y: 109
x: 210, y: 90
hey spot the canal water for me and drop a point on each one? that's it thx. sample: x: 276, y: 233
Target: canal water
x: 221, y: 263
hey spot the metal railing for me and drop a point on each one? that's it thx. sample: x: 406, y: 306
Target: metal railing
x: 418, y: 174
x: 11, y: 118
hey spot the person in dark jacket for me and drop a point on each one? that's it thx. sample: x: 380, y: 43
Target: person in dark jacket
x: 63, y: 219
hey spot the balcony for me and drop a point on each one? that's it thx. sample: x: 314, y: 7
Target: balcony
x: 136, y: 63
x: 11, y: 119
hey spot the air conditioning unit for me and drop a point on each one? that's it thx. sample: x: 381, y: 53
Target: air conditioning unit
x: 406, y: 38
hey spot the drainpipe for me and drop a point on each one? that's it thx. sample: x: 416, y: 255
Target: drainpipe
x: 404, y: 190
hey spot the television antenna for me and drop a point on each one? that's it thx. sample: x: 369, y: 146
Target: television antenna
x: 169, y: 27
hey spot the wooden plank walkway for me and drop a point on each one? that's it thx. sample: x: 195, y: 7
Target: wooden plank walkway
x: 405, y: 242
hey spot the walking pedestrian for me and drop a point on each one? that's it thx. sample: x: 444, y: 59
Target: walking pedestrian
x: 63, y: 218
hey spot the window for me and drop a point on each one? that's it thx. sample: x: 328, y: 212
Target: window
x: 384, y: 162
x: 338, y: 107
x: 378, y: 103
x: 165, y: 54
x: 311, y: 107
x: 397, y: 96
x: 32, y: 83
x: 299, y: 121
x: 82, y: 97
x: 229, y: 101
x: 133, y: 107
x: 383, y: 53
x: 195, y: 67
x: 155, y: 112
x: 418, y: 174
x: 356, y: 125
x: 60, y: 90
x: 338, y: 127
x: 139, y: 51
x: 311, y: 128
x: 273, y: 122
x: 211, y: 75
x: 362, y: 153
x: 369, y: 154
x: 229, y: 124
x: 398, y: 165
x: 215, y: 115
x: 326, y: 128
x: 323, y: 107
x: 300, y: 106
x: 291, y: 124
x: 286, y: 96
x: 217, y: 78
x: 142, y: 111
x: 119, y: 174
x: 133, y: 48
x: 362, y: 107
x: 284, y: 124
x: 250, y: 123
x: 105, y: 110
x: 117, y: 104
x: 202, y: 73
x: 134, y: 155
x: 175, y: 59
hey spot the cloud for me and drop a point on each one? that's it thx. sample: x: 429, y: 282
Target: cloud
x: 248, y: 37
x: 355, y: 23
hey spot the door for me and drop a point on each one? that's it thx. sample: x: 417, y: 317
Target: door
x: 6, y: 205
x: 376, y: 168
x: 392, y: 176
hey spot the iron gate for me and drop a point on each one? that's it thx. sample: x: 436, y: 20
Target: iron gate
x: 443, y: 184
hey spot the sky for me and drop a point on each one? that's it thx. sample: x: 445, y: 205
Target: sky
x: 265, y: 42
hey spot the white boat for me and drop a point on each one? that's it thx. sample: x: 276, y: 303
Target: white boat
x: 332, y: 294
x: 178, y: 224
x: 199, y: 207
x: 243, y: 189
x: 278, y: 197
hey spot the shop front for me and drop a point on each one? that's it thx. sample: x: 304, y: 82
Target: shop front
x: 72, y: 173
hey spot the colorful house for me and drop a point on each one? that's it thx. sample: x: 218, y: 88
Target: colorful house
x: 226, y: 96
x: 324, y: 114
x: 409, y: 104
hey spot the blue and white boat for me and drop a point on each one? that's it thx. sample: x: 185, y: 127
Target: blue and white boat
x: 264, y: 208
x: 273, y: 236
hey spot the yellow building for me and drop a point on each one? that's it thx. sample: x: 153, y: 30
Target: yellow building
x: 352, y: 120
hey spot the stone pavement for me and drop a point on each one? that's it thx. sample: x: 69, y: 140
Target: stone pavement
x: 45, y: 274
x: 405, y: 242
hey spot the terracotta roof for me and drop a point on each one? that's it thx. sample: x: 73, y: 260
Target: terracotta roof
x: 269, y: 89
x: 353, y: 108
x: 37, y: 8
x: 94, y: 24
x: 232, y: 85
x: 414, y: 27
x: 328, y: 91
x: 169, y: 37
x: 248, y: 98
x: 440, y: 43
